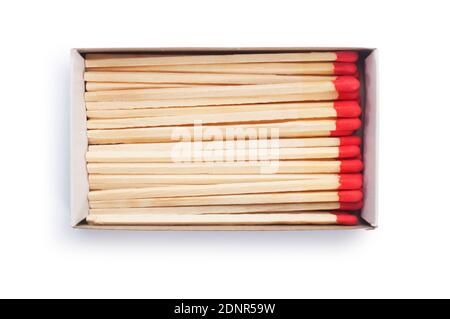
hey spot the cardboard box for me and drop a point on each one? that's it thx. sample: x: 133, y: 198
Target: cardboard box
x: 369, y: 132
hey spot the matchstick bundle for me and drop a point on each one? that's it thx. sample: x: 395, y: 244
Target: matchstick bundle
x: 223, y: 139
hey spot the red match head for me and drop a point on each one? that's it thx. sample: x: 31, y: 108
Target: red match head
x: 349, y: 151
x: 350, y: 181
x: 350, y: 196
x: 349, y: 140
x: 348, y: 95
x: 345, y: 218
x: 348, y: 124
x: 344, y: 68
x: 346, y: 56
x: 347, y: 108
x: 351, y: 166
x: 346, y: 84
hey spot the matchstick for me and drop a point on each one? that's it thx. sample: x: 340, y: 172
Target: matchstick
x: 242, y: 115
x: 199, y: 78
x: 96, y: 56
x: 348, y: 151
x: 341, y: 182
x: 299, y: 128
x: 343, y: 108
x: 282, y: 167
x: 340, y: 56
x: 346, y: 196
x: 214, y: 101
x: 231, y: 209
x: 342, y: 84
x: 99, y: 182
x: 290, y: 68
x: 303, y: 218
x: 109, y: 86
x: 98, y: 136
x: 244, y: 144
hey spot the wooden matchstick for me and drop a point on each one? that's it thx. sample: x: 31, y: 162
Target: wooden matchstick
x: 348, y: 151
x: 214, y: 101
x: 340, y: 56
x: 283, y: 68
x: 199, y: 78
x: 97, y: 56
x: 341, y: 182
x: 303, y: 218
x: 299, y: 128
x: 233, y: 114
x: 342, y: 84
x: 282, y: 167
x: 242, y: 115
x: 99, y: 182
x: 247, y: 144
x: 343, y: 108
x: 231, y: 209
x: 346, y: 196
x: 109, y: 86
x: 162, y: 137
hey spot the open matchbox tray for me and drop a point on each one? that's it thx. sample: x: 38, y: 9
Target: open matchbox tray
x: 367, y: 65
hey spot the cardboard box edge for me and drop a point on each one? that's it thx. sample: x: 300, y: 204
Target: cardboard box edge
x: 371, y: 137
x: 78, y: 142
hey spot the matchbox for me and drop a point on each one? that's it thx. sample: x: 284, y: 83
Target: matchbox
x: 346, y: 111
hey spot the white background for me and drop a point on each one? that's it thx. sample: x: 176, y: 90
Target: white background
x: 41, y: 256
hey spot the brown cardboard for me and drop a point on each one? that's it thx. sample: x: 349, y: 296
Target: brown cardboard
x: 79, y: 143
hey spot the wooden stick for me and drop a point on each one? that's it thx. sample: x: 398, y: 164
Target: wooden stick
x: 96, y: 56
x: 153, y: 112
x: 221, y: 209
x: 268, y: 115
x: 109, y: 86
x: 340, y: 182
x: 127, y: 105
x: 99, y: 182
x: 222, y: 58
x: 283, y: 68
x: 300, y: 125
x: 338, y: 108
x: 96, y: 187
x: 303, y: 218
x: 350, y: 84
x: 283, y: 167
x: 244, y: 144
x: 199, y: 78
x: 240, y: 114
x: 353, y: 196
x: 284, y: 132
x: 223, y: 156
x: 300, y: 128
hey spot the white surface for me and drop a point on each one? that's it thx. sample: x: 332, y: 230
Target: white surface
x: 41, y: 256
